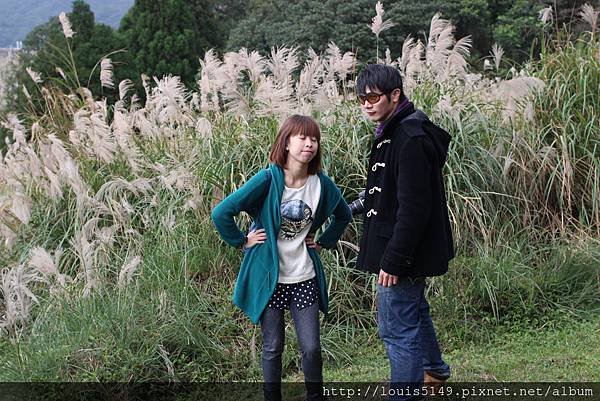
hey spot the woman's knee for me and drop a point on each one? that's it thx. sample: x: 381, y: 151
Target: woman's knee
x: 311, y: 350
x: 273, y: 347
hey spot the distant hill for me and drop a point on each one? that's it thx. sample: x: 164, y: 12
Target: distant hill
x: 19, y: 17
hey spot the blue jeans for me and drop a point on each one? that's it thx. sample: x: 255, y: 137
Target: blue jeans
x: 408, y: 334
x: 306, y: 323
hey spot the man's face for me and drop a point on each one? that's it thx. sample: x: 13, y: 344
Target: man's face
x: 381, y: 109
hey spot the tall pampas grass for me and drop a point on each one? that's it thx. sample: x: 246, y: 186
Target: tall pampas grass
x: 35, y: 76
x: 17, y: 296
x: 497, y: 53
x: 66, y: 25
x: 106, y: 73
x: 590, y: 15
x: 379, y: 25
x: 127, y: 271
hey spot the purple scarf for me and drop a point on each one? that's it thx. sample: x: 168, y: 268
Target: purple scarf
x: 399, y: 108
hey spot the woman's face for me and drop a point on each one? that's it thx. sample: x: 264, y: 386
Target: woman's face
x: 302, y: 148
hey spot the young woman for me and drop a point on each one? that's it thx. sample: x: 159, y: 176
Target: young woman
x: 281, y: 268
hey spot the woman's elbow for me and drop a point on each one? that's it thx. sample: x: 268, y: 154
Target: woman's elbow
x: 216, y: 214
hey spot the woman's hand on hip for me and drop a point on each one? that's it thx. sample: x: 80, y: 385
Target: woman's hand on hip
x: 310, y: 242
x: 255, y: 237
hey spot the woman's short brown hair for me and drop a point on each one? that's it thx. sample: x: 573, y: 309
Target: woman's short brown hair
x: 296, y: 125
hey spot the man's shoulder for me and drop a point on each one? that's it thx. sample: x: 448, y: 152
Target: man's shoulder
x: 406, y: 131
x: 412, y: 125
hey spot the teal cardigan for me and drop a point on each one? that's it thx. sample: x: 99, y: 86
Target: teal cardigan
x: 259, y: 272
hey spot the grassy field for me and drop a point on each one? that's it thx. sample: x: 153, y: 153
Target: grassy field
x: 112, y: 270
x: 565, y: 349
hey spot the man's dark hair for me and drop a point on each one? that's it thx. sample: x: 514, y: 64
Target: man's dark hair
x: 383, y: 77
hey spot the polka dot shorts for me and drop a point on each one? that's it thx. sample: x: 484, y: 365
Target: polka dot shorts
x: 302, y: 294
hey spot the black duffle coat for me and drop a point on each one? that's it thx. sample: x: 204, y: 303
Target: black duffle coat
x: 406, y: 230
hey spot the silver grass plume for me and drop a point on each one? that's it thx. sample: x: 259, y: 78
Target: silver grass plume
x: 169, y: 101
x: 456, y: 63
x: 487, y: 65
x: 112, y: 188
x: 66, y: 25
x: 85, y: 249
x: 497, y: 53
x: 106, y: 73
x: 204, y: 128
x: 378, y: 25
x: 337, y: 64
x: 438, y: 42
x: 128, y: 270
x: 41, y: 260
x: 445, y: 56
x: 273, y: 98
x: 125, y: 86
x: 253, y: 62
x: 589, y: 15
x: 545, y: 15
x: 309, y: 82
x: 407, y: 47
x: 92, y: 135
x: 61, y: 72
x: 210, y: 82
x: 282, y: 64
x: 514, y: 91
x: 18, y: 130
x: 35, y: 76
x: 17, y: 296
x: 121, y: 128
x: 414, y: 66
x: 21, y: 207
x: 178, y: 178
x: 25, y: 92
x: 8, y: 234
x: 237, y: 99
x: 69, y: 170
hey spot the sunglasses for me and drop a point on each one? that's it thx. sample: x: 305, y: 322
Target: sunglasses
x: 370, y: 97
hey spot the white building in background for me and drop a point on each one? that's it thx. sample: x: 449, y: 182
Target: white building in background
x: 7, y: 54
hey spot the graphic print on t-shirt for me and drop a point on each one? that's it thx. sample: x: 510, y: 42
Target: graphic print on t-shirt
x: 295, y: 216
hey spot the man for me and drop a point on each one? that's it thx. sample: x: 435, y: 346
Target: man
x: 406, y: 230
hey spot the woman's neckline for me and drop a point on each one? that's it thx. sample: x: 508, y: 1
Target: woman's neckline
x: 300, y: 187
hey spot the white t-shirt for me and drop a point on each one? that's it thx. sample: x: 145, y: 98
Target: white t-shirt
x: 298, y: 206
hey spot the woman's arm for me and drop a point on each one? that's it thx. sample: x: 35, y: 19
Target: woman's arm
x: 243, y: 199
x: 340, y: 218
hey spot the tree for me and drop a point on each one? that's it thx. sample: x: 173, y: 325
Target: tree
x: 517, y: 29
x: 67, y: 63
x: 169, y: 36
x: 314, y: 23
